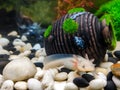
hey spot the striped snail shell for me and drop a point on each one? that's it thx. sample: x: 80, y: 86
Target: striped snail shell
x: 89, y: 37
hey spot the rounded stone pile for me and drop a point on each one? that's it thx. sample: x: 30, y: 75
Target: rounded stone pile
x: 21, y: 68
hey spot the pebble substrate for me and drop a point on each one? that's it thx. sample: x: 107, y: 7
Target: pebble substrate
x: 14, y: 48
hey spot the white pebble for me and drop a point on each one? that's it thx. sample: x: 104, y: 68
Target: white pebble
x: 27, y: 46
x: 101, y: 76
x: 34, y: 84
x: 106, y: 65
x: 48, y: 77
x: 3, y: 51
x: 24, y: 38
x: 20, y: 85
x: 36, y: 46
x: 71, y: 76
x: 7, y: 85
x: 40, y: 52
x: 25, y: 53
x: 4, y: 41
x: 70, y: 86
x: 34, y: 59
x: 13, y: 57
x: 97, y: 84
x: 106, y: 58
x: 116, y: 81
x: 102, y: 70
x: 1, y: 47
x: 13, y: 33
x: 18, y: 42
x: 39, y: 74
x: 0, y: 35
x: 41, y: 59
x: 61, y: 76
x: 1, y: 80
x: 59, y: 85
x: 21, y: 68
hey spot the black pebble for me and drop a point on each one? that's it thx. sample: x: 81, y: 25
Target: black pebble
x: 110, y: 86
x: 80, y: 82
x: 39, y: 64
x: 33, y: 50
x: 3, y: 64
x: 65, y: 70
x: 31, y: 55
x: 4, y: 57
x: 110, y: 54
x: 117, y: 54
x: 88, y: 77
x: 16, y: 53
x: 9, y: 47
x: 109, y: 76
x: 11, y: 38
x: 112, y: 59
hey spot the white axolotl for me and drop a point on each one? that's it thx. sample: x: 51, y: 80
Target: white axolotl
x: 76, y: 63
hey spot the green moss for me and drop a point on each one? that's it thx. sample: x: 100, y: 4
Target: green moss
x: 113, y: 9
x: 112, y: 43
x: 48, y: 30
x: 70, y: 26
x: 76, y: 10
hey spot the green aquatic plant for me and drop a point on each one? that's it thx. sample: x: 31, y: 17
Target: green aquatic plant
x: 70, y: 26
x: 113, y: 9
x: 48, y: 30
x: 76, y: 10
x: 112, y: 43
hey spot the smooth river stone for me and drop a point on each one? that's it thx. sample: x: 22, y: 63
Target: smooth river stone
x: 4, y: 41
x: 115, y: 68
x: 19, y: 69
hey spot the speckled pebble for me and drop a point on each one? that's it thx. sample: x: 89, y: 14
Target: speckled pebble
x: 88, y: 77
x: 61, y: 76
x: 80, y: 82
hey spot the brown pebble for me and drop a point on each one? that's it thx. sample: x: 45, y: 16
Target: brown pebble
x: 116, y: 69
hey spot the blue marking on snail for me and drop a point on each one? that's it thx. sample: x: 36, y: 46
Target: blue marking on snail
x: 79, y: 42
x: 77, y: 14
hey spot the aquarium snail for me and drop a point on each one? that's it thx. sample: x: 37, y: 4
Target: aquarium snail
x: 80, y: 33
